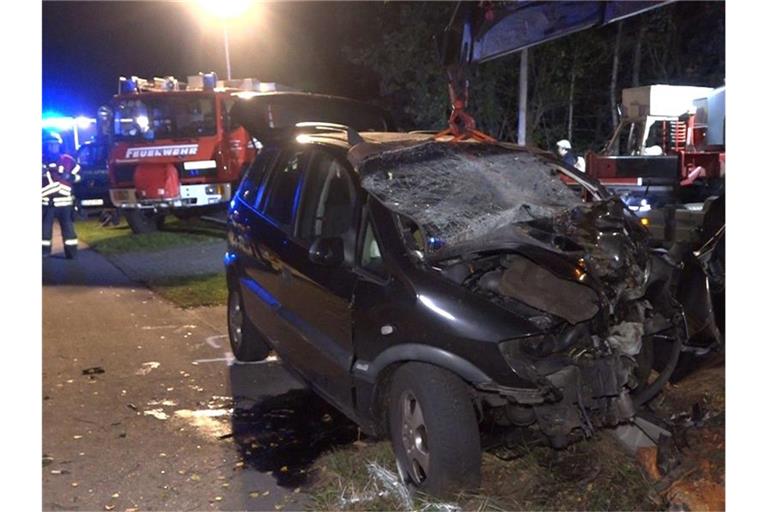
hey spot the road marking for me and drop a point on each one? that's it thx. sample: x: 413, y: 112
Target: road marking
x: 211, y: 340
x: 229, y: 358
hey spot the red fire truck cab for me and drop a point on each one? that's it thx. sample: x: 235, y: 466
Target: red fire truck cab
x: 175, y: 149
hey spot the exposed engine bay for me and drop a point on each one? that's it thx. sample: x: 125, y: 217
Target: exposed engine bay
x: 505, y: 226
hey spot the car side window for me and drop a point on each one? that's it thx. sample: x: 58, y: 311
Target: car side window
x: 370, y: 252
x: 282, y: 187
x: 328, y: 200
x: 254, y: 175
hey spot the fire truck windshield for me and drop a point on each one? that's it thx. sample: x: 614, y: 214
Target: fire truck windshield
x: 164, y: 117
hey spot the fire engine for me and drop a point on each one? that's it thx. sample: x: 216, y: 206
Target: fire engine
x: 175, y: 149
x: 667, y: 156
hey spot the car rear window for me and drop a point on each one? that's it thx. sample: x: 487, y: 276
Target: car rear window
x: 254, y: 176
x: 283, y: 187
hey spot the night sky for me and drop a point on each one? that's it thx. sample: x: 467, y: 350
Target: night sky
x: 88, y: 45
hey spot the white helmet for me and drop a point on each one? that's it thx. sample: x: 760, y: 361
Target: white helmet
x: 564, y: 144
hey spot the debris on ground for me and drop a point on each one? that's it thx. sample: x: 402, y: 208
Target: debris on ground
x: 392, y: 483
x: 94, y: 370
x: 692, y: 460
x: 147, y: 367
x: 682, y: 469
x: 156, y: 413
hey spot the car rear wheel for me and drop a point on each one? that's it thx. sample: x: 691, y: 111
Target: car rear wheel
x: 144, y: 221
x: 246, y: 342
x: 434, y: 431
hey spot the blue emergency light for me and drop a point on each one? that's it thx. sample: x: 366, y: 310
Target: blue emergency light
x: 209, y: 81
x: 128, y: 85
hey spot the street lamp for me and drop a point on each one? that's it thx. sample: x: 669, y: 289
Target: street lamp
x: 225, y: 10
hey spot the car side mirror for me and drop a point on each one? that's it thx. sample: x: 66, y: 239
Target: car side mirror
x: 327, y: 251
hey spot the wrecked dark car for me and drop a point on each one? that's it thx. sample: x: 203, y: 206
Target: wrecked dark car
x: 429, y: 289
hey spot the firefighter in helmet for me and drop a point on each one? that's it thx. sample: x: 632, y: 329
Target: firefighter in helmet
x: 565, y: 153
x: 60, y: 172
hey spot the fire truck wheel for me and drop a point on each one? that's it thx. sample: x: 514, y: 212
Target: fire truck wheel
x: 185, y: 215
x: 143, y: 221
x: 246, y: 341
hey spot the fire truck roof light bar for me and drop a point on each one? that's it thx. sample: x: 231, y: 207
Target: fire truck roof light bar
x: 200, y: 82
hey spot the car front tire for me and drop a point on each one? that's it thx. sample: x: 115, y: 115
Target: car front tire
x: 246, y: 342
x: 434, y: 430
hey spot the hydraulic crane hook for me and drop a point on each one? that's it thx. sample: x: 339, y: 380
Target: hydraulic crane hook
x: 461, y: 125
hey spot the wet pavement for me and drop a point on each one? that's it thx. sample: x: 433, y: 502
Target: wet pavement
x: 144, y: 408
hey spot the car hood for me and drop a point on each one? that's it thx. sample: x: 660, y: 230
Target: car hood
x: 600, y: 245
x: 473, y: 198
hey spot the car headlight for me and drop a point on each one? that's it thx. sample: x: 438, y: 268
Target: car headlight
x: 519, y: 351
x: 530, y: 346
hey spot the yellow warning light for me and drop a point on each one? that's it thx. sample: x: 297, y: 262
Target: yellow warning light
x: 645, y: 222
x: 580, y: 274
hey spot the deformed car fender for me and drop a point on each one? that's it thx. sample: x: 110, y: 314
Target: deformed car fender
x: 407, y: 352
x: 372, y: 378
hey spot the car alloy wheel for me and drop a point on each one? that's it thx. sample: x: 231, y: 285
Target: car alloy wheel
x: 235, y: 317
x: 246, y: 341
x: 434, y: 430
x: 415, y: 439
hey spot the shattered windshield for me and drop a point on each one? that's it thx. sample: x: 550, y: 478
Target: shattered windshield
x: 459, y: 192
x: 165, y: 117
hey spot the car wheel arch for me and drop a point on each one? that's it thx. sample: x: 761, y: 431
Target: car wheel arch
x: 383, y: 367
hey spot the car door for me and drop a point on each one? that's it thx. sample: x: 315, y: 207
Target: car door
x: 260, y: 223
x: 317, y: 298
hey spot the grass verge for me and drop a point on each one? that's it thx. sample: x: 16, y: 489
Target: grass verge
x: 590, y: 475
x: 119, y: 239
x: 192, y: 291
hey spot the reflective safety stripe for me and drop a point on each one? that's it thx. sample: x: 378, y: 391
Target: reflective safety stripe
x: 65, y: 193
x: 50, y: 186
x: 50, y: 192
x: 46, y: 243
x: 76, y: 169
x: 71, y: 242
x: 65, y: 187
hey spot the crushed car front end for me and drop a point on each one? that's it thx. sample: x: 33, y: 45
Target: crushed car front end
x: 501, y: 224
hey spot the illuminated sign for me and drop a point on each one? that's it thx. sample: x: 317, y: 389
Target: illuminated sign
x: 155, y: 151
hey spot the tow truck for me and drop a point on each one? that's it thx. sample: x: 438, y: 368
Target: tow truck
x: 666, y: 158
x: 175, y: 149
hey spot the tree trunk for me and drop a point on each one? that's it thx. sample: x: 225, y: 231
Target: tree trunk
x: 570, y: 102
x: 638, y: 55
x: 522, y: 109
x: 615, y: 76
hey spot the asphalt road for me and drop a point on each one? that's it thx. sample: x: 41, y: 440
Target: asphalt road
x: 144, y: 409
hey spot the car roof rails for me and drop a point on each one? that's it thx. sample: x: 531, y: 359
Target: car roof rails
x: 353, y: 137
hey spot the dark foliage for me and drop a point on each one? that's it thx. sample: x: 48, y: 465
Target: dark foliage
x: 393, y: 49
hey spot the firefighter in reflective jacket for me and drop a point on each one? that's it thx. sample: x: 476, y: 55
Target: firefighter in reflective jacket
x: 60, y: 172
